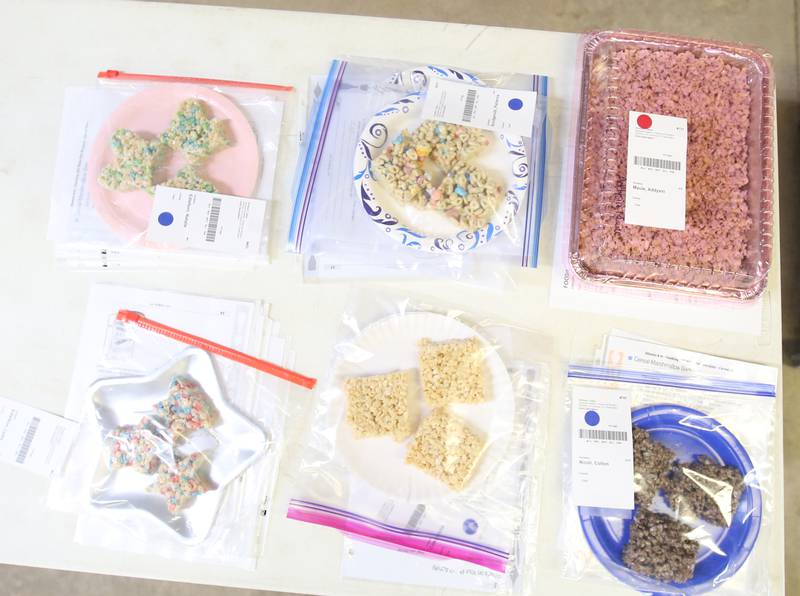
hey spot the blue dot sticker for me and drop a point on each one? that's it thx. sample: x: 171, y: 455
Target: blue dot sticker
x: 470, y: 526
x: 515, y: 104
x: 592, y: 418
x: 165, y: 218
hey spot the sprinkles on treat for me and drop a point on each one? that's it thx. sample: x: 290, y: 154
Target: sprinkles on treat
x: 194, y: 133
x: 135, y: 161
x: 466, y: 194
x: 181, y: 483
x: 187, y: 408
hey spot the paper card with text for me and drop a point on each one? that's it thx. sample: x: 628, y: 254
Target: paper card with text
x: 34, y: 439
x: 208, y: 221
x: 602, y: 448
x: 501, y: 110
x: 655, y: 185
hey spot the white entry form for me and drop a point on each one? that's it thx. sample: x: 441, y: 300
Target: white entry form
x: 655, y: 187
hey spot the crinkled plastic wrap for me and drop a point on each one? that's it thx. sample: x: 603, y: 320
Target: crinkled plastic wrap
x: 179, y: 460
x: 428, y: 436
x: 128, y: 134
x: 703, y: 484
x: 726, y: 94
x: 363, y: 209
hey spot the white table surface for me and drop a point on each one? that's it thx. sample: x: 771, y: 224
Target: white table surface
x: 47, y: 47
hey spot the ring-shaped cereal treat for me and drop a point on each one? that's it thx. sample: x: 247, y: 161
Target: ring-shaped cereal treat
x: 466, y: 193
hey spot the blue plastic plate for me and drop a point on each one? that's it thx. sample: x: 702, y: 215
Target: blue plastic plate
x: 689, y: 433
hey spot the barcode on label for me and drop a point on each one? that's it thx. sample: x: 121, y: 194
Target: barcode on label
x: 469, y: 105
x: 655, y: 162
x: 213, y: 220
x: 602, y: 435
x: 27, y: 440
x: 413, y: 521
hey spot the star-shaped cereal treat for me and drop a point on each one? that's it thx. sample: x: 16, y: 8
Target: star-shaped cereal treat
x: 181, y: 483
x: 188, y: 178
x: 135, y: 161
x: 194, y: 133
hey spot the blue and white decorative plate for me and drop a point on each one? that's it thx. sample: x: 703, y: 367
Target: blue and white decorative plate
x: 505, y: 159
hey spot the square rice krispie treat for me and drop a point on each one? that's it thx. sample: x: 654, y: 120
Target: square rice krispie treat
x: 381, y: 405
x: 705, y: 489
x: 446, y: 448
x: 659, y: 548
x: 453, y: 371
x: 652, y: 462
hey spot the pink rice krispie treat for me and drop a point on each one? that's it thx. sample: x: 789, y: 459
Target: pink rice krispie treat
x: 713, y: 95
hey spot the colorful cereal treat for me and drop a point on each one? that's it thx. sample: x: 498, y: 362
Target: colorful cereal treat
x: 182, y: 482
x: 452, y: 144
x: 446, y: 448
x: 468, y: 196
x: 135, y: 161
x: 652, y: 463
x: 194, y: 133
x: 189, y: 179
x: 659, y: 547
x: 381, y: 405
x: 453, y: 371
x: 137, y: 446
x: 402, y: 168
x: 705, y: 489
x: 187, y: 407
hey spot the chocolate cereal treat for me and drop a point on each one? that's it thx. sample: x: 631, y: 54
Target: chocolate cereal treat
x: 194, y: 133
x: 659, y: 548
x: 381, y: 405
x: 704, y: 489
x: 135, y: 161
x: 446, y: 448
x: 188, y: 178
x: 652, y: 462
x: 187, y: 408
x: 183, y: 482
x: 453, y: 371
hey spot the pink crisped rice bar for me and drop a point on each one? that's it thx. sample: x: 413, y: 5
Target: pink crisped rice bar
x: 713, y: 95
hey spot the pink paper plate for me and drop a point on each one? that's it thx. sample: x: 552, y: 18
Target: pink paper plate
x: 233, y: 170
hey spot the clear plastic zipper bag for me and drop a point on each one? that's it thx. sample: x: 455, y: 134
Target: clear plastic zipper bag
x: 156, y: 170
x: 447, y: 462
x: 403, y: 173
x: 702, y: 486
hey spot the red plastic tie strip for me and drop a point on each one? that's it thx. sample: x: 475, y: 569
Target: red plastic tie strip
x: 138, y: 319
x: 131, y: 76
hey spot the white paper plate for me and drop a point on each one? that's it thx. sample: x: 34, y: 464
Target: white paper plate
x: 423, y: 229
x: 391, y: 344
